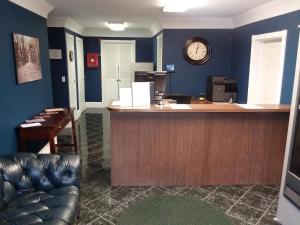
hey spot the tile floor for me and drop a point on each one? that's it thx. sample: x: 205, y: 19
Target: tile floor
x: 101, y: 204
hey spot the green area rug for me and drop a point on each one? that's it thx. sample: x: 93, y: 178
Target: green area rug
x: 172, y: 210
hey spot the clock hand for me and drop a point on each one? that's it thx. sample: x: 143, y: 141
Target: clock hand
x: 197, y: 50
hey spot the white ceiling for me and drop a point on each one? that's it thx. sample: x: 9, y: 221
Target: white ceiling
x: 145, y: 18
x: 142, y: 14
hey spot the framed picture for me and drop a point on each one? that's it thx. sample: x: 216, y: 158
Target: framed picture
x: 27, y: 58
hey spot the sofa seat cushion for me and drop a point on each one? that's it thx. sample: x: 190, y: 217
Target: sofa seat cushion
x: 57, y: 206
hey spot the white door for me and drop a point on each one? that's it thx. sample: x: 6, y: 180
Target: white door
x: 270, y: 73
x: 109, y: 53
x: 266, y: 68
x: 116, y: 60
x: 126, y: 58
x: 80, y: 73
x: 70, y: 44
x: 159, y: 52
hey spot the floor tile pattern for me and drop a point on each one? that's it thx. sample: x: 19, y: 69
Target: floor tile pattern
x: 101, y: 204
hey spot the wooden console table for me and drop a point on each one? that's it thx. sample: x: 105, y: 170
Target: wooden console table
x: 49, y: 130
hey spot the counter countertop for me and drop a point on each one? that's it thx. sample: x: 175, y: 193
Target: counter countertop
x: 203, y: 108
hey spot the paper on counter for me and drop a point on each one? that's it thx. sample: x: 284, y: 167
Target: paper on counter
x: 179, y: 106
x: 250, y: 106
x: 115, y: 103
x: 125, y: 96
x: 140, y: 93
x: 31, y: 125
x: 55, y: 110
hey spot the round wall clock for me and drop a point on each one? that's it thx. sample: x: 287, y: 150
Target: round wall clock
x: 197, y: 51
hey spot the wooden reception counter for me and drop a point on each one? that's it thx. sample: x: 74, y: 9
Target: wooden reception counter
x: 198, y: 144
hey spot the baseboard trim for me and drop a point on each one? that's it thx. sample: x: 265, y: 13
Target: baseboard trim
x: 95, y: 105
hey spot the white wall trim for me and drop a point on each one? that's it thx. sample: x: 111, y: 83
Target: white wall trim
x: 269, y: 10
x: 40, y: 7
x: 269, y: 36
x: 266, y: 11
x: 197, y: 23
x: 118, y: 41
x: 155, y: 29
x: 65, y: 22
x: 105, y: 32
x: 95, y: 105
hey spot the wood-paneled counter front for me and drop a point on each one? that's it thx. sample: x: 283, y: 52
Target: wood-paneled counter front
x: 207, y: 144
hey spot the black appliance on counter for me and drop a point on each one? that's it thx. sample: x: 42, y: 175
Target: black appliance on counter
x: 156, y: 79
x: 221, y: 89
x: 292, y: 186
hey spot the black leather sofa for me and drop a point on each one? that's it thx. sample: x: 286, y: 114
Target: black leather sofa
x: 39, y: 189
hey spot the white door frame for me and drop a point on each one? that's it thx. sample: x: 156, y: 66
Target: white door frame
x: 70, y: 82
x: 159, y: 52
x: 256, y: 51
x: 80, y: 79
x: 287, y: 213
x: 101, y: 53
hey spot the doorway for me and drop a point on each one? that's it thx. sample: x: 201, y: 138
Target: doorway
x: 72, y: 81
x: 75, y: 65
x: 117, y: 58
x: 266, y: 68
x: 80, y: 74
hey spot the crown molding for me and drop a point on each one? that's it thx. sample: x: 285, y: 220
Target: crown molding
x: 40, y: 7
x: 65, y: 22
x: 105, y: 32
x: 197, y: 23
x: 155, y: 28
x: 266, y: 11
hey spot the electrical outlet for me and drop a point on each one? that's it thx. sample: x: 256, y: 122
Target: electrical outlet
x: 63, y: 79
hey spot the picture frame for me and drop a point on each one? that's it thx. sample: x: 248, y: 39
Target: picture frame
x: 27, y: 58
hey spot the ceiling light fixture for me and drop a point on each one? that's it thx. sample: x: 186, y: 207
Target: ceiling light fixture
x: 116, y: 26
x: 181, y: 5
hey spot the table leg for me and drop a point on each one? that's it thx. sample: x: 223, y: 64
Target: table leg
x: 74, y: 133
x: 52, y: 143
x: 22, y: 145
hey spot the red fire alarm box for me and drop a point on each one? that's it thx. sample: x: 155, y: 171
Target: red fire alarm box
x: 92, y: 60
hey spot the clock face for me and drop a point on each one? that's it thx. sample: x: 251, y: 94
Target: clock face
x: 197, y: 50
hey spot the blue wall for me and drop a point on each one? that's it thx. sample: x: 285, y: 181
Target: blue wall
x: 59, y: 68
x: 230, y: 56
x: 93, y: 81
x: 144, y: 53
x: 20, y: 102
x: 57, y: 40
x: 191, y: 79
x: 242, y: 50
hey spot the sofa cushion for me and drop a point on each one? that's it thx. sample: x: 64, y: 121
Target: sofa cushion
x: 27, y: 172
x: 57, y: 206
